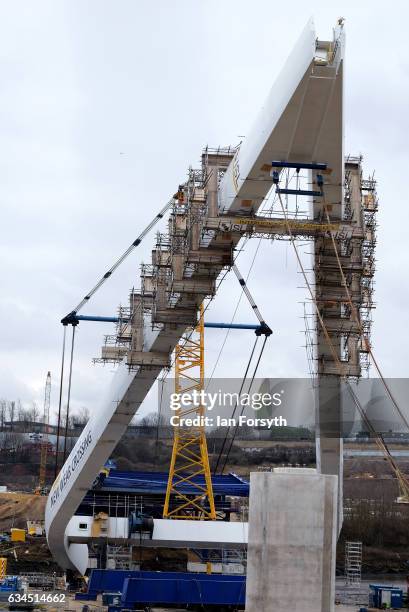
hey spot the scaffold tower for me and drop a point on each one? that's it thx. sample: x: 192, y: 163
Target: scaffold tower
x: 353, y: 562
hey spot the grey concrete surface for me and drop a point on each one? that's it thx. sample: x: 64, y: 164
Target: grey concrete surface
x: 292, y: 540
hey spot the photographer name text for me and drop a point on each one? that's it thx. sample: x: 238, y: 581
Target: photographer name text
x: 219, y: 421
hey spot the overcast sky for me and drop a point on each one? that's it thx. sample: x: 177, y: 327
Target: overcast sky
x: 105, y: 104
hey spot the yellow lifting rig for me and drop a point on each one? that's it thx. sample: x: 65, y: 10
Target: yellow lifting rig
x: 190, y: 458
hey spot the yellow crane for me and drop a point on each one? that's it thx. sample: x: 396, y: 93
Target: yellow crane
x: 190, y: 457
x: 40, y: 490
x: 3, y: 567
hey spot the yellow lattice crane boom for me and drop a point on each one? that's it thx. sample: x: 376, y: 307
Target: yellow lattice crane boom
x: 3, y: 567
x: 44, y: 442
x: 189, y: 467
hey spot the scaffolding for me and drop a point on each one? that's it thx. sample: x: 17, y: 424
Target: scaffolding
x: 353, y: 562
x: 369, y: 203
x: 184, y: 267
x: 182, y: 272
x: 119, y: 557
x: 226, y: 561
x: 344, y: 279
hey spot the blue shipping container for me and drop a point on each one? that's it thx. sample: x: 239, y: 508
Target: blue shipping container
x: 166, y: 587
x: 384, y: 594
x: 169, y: 588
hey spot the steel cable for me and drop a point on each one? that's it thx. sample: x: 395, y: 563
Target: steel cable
x: 378, y: 438
x: 59, y: 404
x: 69, y: 394
x: 121, y: 259
x: 243, y: 408
x: 235, y: 407
x: 355, y: 314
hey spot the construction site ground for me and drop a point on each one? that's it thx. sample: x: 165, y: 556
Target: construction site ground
x: 365, y: 477
x: 76, y: 606
x: 16, y: 508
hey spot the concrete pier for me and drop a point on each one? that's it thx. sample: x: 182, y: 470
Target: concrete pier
x: 292, y: 541
x: 329, y: 427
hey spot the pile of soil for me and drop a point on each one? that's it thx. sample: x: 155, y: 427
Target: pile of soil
x: 17, y: 508
x: 32, y: 555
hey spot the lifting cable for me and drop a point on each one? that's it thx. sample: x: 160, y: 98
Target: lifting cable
x: 233, y: 316
x: 378, y: 437
x: 68, y: 319
x: 235, y: 407
x: 59, y: 404
x: 68, y: 395
x: 264, y: 330
x: 184, y: 340
x: 267, y: 332
x: 243, y: 407
x: 189, y: 335
x: 358, y: 322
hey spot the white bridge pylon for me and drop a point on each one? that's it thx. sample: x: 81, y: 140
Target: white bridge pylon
x: 301, y: 121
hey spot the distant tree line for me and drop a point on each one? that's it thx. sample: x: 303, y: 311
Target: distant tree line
x: 158, y: 426
x: 14, y: 416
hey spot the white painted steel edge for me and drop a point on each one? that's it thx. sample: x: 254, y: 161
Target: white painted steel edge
x: 94, y: 447
x: 178, y: 533
x: 286, y: 84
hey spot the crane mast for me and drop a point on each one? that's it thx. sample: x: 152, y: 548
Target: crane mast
x: 44, y: 442
x: 189, y: 454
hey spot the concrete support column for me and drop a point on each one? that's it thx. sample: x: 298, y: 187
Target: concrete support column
x: 329, y: 432
x: 292, y: 541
